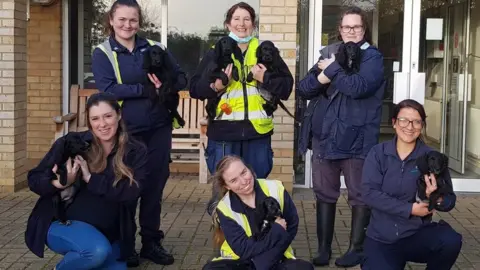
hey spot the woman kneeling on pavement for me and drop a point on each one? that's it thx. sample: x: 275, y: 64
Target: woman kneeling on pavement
x: 97, y: 230
x: 239, y: 216
x: 400, y: 228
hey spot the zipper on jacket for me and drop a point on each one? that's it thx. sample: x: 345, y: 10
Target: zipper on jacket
x: 245, y: 96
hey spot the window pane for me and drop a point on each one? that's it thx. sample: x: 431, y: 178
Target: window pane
x: 194, y: 26
x: 93, y: 18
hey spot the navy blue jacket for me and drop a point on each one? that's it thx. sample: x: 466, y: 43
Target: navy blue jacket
x: 266, y: 252
x: 347, y: 123
x: 389, y: 185
x: 100, y: 188
x: 138, y: 111
x: 280, y: 86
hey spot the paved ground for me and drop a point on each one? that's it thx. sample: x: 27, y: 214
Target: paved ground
x: 188, y: 233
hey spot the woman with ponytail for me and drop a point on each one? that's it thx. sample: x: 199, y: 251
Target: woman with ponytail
x: 97, y: 233
x: 239, y: 216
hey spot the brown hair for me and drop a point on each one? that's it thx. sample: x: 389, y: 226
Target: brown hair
x: 96, y: 157
x: 242, y: 5
x: 412, y: 104
x: 108, y: 29
x: 366, y: 25
x: 220, y: 190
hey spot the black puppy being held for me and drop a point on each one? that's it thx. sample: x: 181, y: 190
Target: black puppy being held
x: 270, y: 209
x: 434, y: 163
x: 224, y: 48
x: 157, y: 61
x: 269, y: 56
x: 74, y: 145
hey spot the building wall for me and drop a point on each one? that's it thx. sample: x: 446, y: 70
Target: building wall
x: 44, y: 57
x: 13, y: 81
x: 278, y: 23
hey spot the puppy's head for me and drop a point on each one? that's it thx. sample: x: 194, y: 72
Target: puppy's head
x: 157, y: 56
x: 224, y: 48
x: 271, y: 207
x: 437, y: 162
x: 76, y: 145
x: 352, y: 50
x: 266, y: 52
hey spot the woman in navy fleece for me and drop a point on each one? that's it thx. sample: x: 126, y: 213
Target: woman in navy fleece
x: 100, y: 216
x: 399, y: 230
x: 239, y: 216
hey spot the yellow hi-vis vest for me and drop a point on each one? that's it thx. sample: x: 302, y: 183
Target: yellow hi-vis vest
x: 240, y: 91
x: 112, y: 57
x: 272, y: 188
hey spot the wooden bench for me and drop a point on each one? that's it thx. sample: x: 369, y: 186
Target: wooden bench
x: 188, y: 143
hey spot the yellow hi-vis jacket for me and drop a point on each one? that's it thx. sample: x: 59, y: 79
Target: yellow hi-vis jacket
x: 272, y: 188
x: 244, y: 98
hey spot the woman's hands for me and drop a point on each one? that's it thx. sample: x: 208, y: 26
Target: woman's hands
x: 258, y: 72
x: 71, y: 174
x: 420, y: 209
x: 323, y: 64
x: 79, y: 161
x: 153, y: 78
x: 431, y: 183
x: 219, y: 84
x: 282, y: 222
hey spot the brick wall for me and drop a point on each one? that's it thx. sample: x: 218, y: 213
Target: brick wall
x: 278, y: 23
x: 44, y: 56
x: 13, y: 95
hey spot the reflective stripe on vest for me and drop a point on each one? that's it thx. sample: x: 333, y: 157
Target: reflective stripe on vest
x: 234, y: 95
x: 112, y: 57
x: 272, y: 188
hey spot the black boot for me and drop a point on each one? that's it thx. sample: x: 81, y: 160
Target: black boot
x: 325, y: 224
x: 133, y: 260
x: 354, y: 255
x: 154, y: 252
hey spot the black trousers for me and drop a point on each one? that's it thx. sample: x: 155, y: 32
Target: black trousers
x: 239, y: 265
x: 159, y: 144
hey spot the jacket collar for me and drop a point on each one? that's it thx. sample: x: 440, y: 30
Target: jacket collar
x: 119, y: 48
x: 391, y: 149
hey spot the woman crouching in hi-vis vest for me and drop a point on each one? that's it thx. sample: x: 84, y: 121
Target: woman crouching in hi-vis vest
x: 239, y: 218
x: 117, y: 67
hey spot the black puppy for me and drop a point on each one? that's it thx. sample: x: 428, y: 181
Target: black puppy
x: 224, y: 48
x: 157, y: 61
x: 269, y: 55
x: 349, y: 57
x: 270, y: 210
x: 436, y: 163
x: 74, y: 145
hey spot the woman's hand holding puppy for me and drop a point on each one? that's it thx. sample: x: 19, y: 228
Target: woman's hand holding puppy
x: 71, y: 174
x: 82, y: 163
x: 282, y: 222
x: 218, y: 83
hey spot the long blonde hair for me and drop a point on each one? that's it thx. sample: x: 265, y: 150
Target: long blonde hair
x: 96, y: 156
x: 219, y: 186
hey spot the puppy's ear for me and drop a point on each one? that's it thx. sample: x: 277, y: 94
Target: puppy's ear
x: 422, y: 164
x: 218, y: 50
x: 147, y: 59
x: 445, y: 161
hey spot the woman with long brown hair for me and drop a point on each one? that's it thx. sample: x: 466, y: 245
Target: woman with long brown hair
x: 98, y: 230
x: 239, y: 218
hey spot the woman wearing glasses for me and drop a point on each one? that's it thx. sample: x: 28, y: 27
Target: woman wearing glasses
x: 344, y: 115
x: 399, y: 230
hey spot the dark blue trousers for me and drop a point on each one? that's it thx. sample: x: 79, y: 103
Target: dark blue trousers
x: 257, y: 153
x: 436, y: 244
x: 159, y: 145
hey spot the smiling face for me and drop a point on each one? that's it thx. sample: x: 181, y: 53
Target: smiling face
x: 352, y: 28
x: 241, y: 23
x: 104, y: 121
x: 125, y: 22
x: 238, y: 178
x: 408, y: 125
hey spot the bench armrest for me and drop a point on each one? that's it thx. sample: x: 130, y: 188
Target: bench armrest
x: 60, y: 123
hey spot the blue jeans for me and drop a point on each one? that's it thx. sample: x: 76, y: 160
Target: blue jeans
x: 83, y: 247
x: 257, y: 153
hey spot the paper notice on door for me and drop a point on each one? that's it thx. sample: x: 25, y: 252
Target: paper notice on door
x: 434, y: 29
x: 417, y: 87
x: 396, y: 66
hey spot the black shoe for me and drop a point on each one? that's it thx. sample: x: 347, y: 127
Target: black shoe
x: 325, y: 224
x: 354, y: 255
x: 156, y: 253
x: 133, y: 260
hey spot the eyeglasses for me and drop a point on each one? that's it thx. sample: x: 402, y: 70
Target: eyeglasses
x: 403, y: 122
x: 356, y: 28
